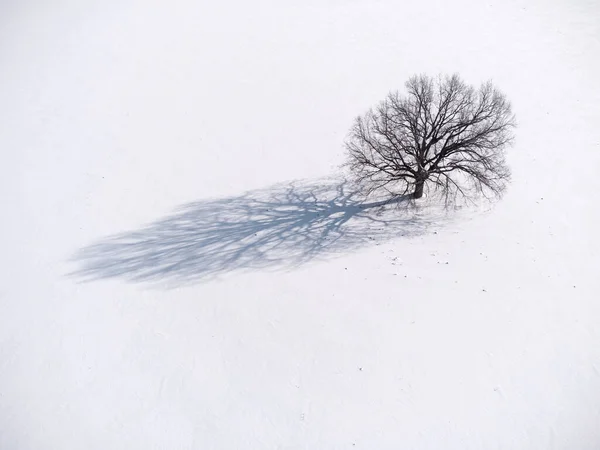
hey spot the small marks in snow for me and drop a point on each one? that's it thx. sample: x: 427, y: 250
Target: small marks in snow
x: 395, y: 261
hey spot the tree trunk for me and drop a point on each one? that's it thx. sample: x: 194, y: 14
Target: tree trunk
x: 418, y: 193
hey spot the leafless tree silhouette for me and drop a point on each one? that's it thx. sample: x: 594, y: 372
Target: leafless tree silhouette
x: 444, y: 134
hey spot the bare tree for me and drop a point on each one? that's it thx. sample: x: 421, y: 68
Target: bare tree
x: 444, y: 134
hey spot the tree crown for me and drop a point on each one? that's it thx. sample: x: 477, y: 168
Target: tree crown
x: 443, y: 133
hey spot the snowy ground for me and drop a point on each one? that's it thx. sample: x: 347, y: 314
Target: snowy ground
x: 164, y: 286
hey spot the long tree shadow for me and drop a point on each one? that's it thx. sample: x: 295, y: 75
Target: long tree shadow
x: 279, y: 227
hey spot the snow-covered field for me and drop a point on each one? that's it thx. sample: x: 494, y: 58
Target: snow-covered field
x: 182, y: 267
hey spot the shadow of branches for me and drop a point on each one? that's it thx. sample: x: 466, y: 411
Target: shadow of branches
x: 282, y: 226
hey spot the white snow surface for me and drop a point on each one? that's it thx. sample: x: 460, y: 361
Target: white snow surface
x: 182, y: 267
